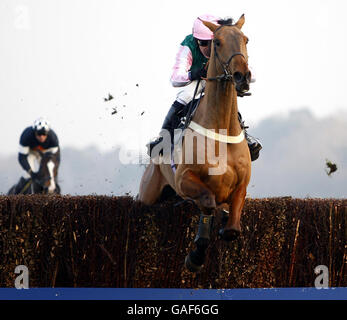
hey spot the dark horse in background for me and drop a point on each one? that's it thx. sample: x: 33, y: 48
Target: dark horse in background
x: 46, y: 181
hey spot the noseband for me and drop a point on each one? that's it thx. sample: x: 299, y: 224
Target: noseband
x: 227, y: 75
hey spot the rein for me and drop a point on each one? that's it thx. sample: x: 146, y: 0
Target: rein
x: 27, y: 185
x: 190, y: 110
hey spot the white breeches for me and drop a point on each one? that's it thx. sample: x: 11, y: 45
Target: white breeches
x: 185, y: 94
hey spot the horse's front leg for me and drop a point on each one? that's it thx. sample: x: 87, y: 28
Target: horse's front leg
x: 196, y: 258
x: 189, y: 185
x: 232, y: 229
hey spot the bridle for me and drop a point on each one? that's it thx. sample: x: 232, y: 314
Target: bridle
x: 227, y: 75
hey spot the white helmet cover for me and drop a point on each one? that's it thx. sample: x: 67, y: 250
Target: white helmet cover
x: 41, y: 125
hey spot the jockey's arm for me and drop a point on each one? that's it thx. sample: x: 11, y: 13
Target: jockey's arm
x: 23, y: 158
x: 24, y: 149
x: 54, y: 143
x: 184, y: 61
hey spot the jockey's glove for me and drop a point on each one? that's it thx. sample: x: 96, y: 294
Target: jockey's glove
x: 197, y: 74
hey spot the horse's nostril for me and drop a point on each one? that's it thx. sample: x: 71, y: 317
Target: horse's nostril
x: 238, y: 77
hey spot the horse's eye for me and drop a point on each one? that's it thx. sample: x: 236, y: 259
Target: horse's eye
x: 247, y: 40
x: 217, y: 42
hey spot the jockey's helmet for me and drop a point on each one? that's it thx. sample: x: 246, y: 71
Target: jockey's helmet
x: 41, y: 126
x: 200, y: 31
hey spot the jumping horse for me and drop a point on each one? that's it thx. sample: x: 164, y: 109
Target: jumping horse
x: 223, y: 193
x: 46, y: 181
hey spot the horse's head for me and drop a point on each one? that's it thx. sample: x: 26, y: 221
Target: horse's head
x: 229, y: 53
x: 48, y: 172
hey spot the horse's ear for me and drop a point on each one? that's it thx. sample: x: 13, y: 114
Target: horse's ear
x: 213, y: 27
x: 240, y: 22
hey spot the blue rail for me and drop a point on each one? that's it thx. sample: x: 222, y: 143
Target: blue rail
x: 172, y: 294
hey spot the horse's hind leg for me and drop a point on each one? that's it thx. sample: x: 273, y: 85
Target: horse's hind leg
x: 151, y: 185
x: 191, y: 186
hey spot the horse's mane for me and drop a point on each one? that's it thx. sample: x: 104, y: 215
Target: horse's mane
x: 226, y: 22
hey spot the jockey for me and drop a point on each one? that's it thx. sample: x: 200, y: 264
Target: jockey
x: 36, y: 139
x: 191, y: 58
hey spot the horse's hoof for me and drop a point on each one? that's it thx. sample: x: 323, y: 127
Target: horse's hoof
x: 191, y: 266
x: 229, y: 235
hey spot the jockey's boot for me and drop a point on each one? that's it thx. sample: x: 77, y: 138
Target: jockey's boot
x: 171, y: 122
x: 253, y: 143
x: 20, y: 185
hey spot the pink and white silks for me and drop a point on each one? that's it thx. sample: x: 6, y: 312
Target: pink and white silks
x: 180, y: 78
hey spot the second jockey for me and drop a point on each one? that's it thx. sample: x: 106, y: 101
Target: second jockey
x: 34, y: 141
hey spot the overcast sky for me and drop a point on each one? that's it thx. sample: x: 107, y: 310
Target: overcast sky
x: 60, y: 58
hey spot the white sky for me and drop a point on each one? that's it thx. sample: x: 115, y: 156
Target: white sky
x: 60, y: 58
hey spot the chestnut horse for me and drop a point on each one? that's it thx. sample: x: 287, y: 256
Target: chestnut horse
x: 223, y: 190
